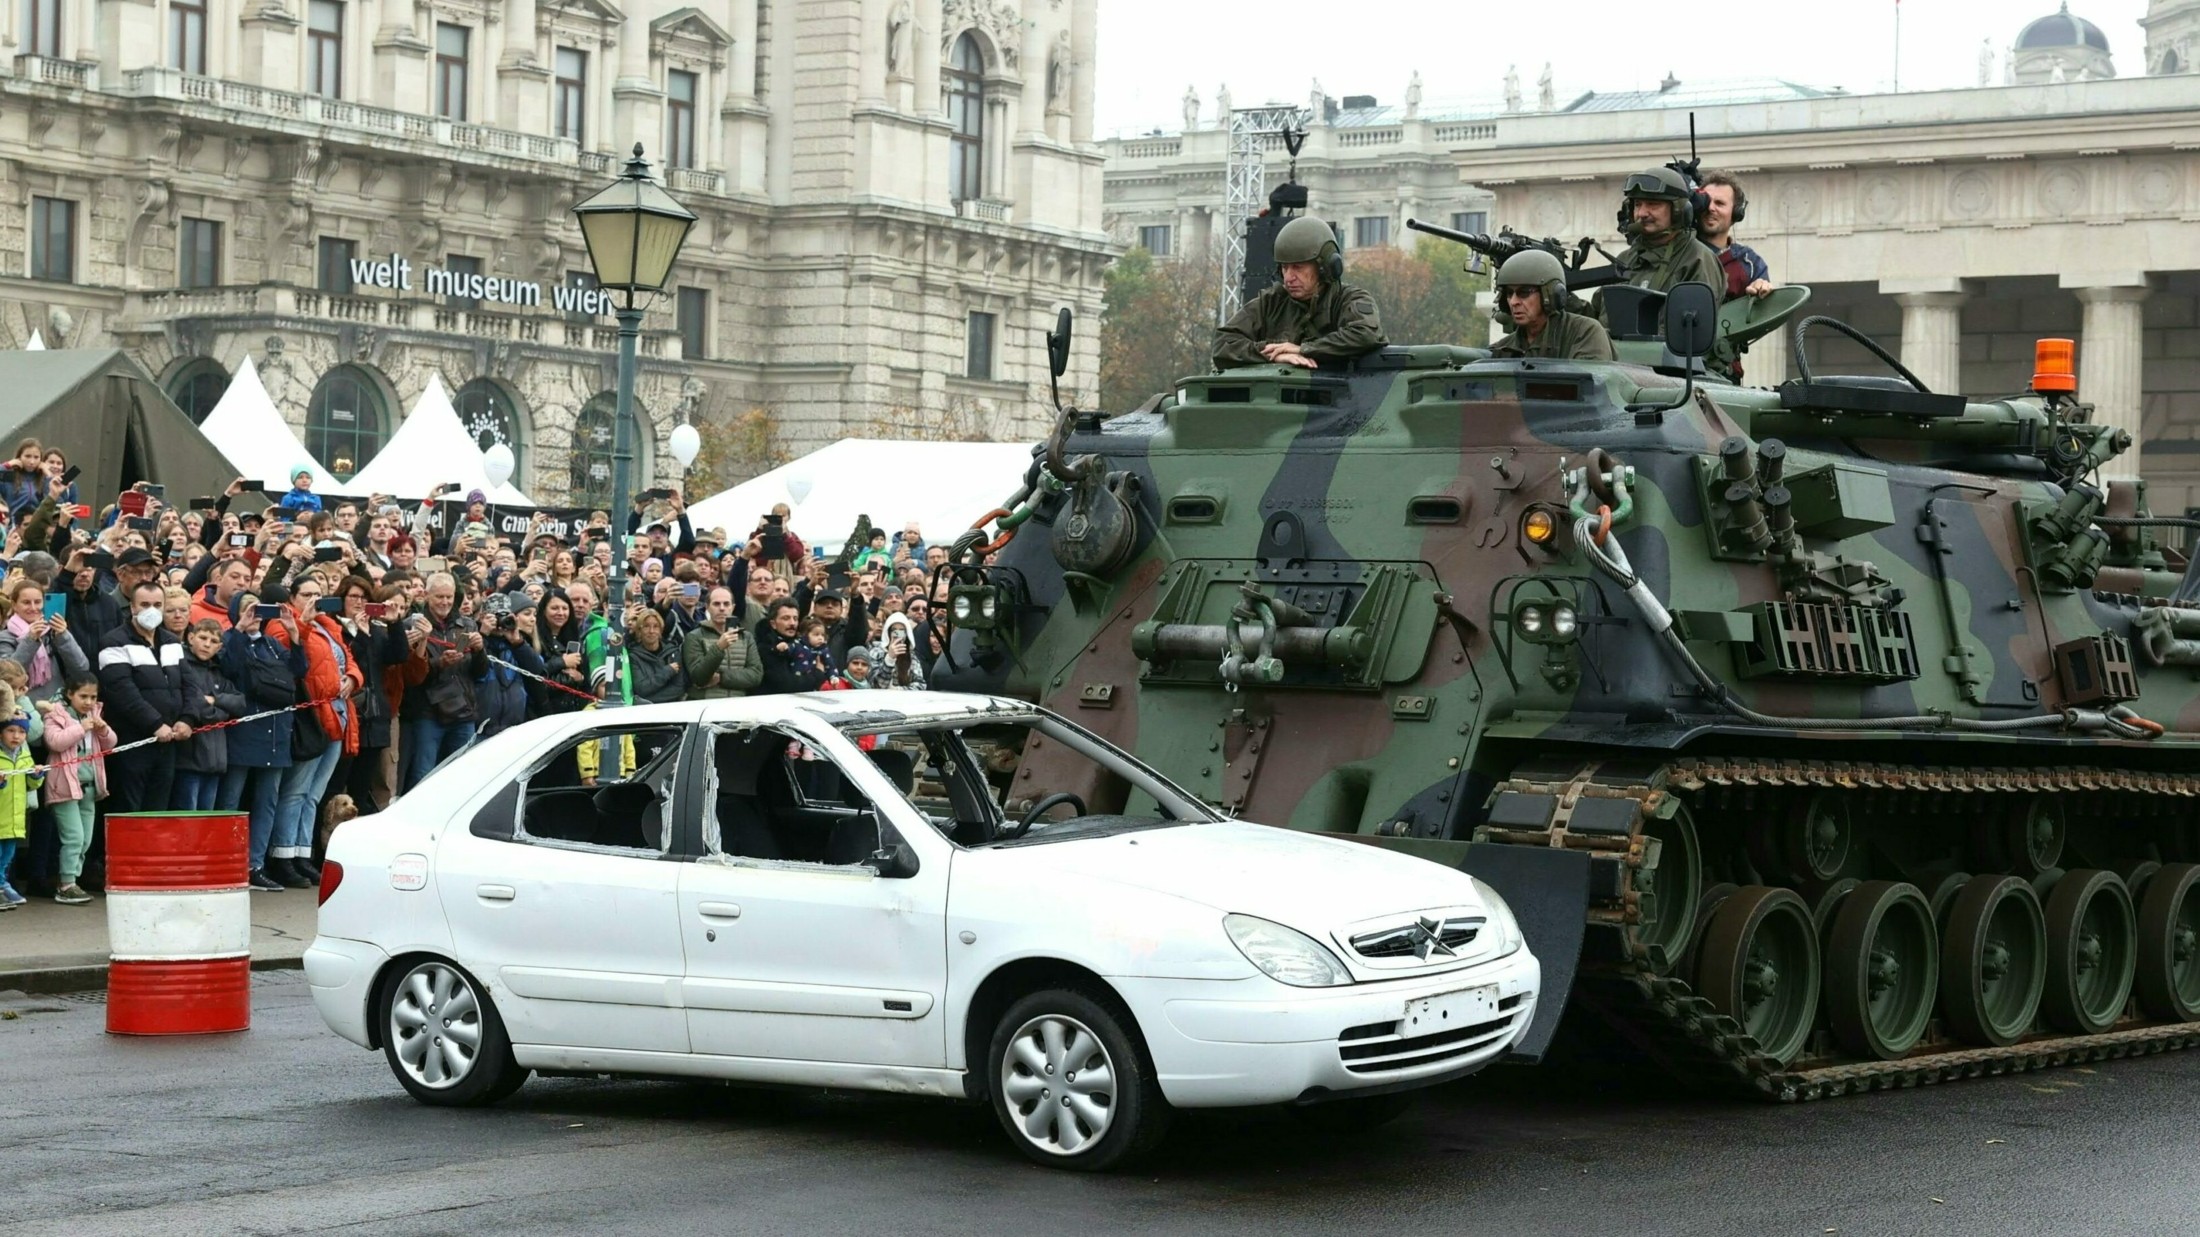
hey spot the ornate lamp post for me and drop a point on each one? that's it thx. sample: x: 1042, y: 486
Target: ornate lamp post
x: 634, y: 231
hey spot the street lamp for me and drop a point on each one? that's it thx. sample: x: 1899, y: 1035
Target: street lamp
x: 634, y: 230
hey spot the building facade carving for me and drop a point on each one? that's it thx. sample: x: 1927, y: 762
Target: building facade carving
x: 203, y: 204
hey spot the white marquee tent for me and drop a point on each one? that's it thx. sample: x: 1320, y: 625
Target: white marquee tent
x: 430, y: 448
x: 37, y: 344
x: 246, y: 427
x: 944, y: 486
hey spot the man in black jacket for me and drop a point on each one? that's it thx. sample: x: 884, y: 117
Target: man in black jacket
x: 777, y: 637
x: 92, y: 611
x: 141, y: 687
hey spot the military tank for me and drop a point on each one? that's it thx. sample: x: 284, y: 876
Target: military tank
x: 1824, y: 738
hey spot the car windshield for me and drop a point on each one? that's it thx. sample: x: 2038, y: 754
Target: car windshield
x: 1022, y: 781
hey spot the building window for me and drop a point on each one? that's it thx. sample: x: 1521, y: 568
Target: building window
x: 197, y: 387
x: 1370, y: 231
x: 589, y: 469
x: 461, y: 268
x: 571, y: 98
x: 679, y: 119
x: 53, y: 240
x: 42, y: 33
x: 450, y: 70
x: 1155, y: 240
x: 325, y: 48
x: 490, y: 414
x: 187, y: 36
x: 345, y: 421
x: 199, y: 254
x: 979, y: 363
x: 965, y: 88
x: 692, y: 313
x: 332, y: 259
x: 1476, y: 221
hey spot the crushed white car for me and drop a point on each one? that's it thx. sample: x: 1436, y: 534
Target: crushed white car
x: 898, y: 892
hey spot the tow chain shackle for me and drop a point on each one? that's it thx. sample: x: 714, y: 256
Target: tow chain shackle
x: 1602, y: 489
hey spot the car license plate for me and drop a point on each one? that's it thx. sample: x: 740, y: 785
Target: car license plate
x: 1450, y: 1011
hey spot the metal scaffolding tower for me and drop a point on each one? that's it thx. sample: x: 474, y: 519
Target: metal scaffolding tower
x: 1246, y: 188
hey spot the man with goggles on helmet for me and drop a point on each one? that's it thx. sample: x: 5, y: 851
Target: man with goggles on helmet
x: 1310, y: 317
x: 1658, y: 216
x: 1531, y: 290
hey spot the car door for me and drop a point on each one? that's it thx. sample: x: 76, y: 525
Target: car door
x: 805, y: 959
x: 560, y: 901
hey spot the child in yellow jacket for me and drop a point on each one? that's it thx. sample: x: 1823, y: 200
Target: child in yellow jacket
x: 19, y: 782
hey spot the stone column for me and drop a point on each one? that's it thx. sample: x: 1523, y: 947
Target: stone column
x: 2111, y: 345
x: 523, y: 76
x: 637, y: 103
x: 1084, y: 32
x: 925, y: 49
x: 1767, y: 363
x: 1932, y: 329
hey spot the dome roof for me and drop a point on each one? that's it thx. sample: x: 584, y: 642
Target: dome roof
x: 2061, y: 30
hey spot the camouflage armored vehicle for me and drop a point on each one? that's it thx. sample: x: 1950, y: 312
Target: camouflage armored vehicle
x: 1823, y: 738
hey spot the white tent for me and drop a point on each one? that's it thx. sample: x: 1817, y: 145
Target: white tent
x: 944, y: 486
x: 246, y: 427
x: 37, y: 344
x: 431, y: 448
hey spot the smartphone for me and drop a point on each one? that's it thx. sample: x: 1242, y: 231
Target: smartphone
x: 81, y: 511
x: 330, y: 605
x: 99, y: 560
x: 329, y: 554
x: 376, y: 609
x: 57, y: 606
x: 70, y: 474
x: 202, y: 503
x: 250, y: 486
x: 240, y: 540
x: 156, y: 491
x: 140, y: 524
x: 573, y: 646
x: 692, y: 591
x: 267, y: 610
x: 132, y: 502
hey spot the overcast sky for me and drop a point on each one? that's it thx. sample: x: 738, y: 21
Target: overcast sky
x: 1273, y: 49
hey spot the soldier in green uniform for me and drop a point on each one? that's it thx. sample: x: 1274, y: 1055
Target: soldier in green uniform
x: 1531, y: 287
x: 1310, y: 317
x: 1662, y: 249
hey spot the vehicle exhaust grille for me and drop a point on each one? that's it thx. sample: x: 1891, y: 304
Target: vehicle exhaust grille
x: 1377, y: 1048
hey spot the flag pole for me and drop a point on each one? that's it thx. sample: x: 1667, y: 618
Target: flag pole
x: 1898, y: 46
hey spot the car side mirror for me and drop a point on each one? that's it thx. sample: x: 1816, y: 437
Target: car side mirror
x: 893, y: 861
x: 1691, y: 319
x: 1058, y: 341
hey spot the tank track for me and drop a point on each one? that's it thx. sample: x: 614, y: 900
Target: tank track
x: 1662, y: 1016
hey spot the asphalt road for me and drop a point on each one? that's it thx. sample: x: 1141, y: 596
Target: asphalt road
x: 288, y: 1129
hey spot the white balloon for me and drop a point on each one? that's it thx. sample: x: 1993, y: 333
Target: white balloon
x: 686, y: 444
x: 798, y: 485
x: 497, y: 461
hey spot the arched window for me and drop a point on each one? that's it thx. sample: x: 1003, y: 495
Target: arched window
x: 964, y: 83
x: 347, y: 421
x: 491, y: 414
x: 197, y: 387
x: 593, y: 438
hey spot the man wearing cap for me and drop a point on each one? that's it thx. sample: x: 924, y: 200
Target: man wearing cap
x: 301, y: 496
x: 133, y: 567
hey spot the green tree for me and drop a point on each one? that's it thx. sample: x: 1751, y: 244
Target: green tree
x: 1426, y: 293
x: 1159, y: 325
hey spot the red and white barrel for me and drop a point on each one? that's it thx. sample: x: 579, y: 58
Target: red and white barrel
x: 179, y: 924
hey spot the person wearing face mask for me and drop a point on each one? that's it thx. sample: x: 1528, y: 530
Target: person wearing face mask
x: 141, y: 680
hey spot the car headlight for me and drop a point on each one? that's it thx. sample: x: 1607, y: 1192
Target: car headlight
x: 1283, y: 954
x: 1499, y: 916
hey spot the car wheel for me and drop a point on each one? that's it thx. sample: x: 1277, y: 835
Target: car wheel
x: 1355, y: 1114
x: 443, y: 1039
x: 1071, y: 1083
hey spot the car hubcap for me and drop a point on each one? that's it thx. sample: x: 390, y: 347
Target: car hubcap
x: 435, y: 1022
x: 1059, y: 1083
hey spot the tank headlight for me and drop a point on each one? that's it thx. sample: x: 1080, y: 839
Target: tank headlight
x: 1529, y: 619
x: 1284, y: 954
x: 961, y: 608
x: 1539, y: 526
x: 1564, y: 622
x: 989, y: 606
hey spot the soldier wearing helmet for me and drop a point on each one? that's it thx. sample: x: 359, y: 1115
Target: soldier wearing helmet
x: 1531, y: 289
x: 1658, y: 214
x: 1310, y: 317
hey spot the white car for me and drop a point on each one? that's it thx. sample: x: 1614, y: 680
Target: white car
x: 868, y: 890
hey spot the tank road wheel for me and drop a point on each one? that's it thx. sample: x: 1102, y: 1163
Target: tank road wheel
x: 2134, y: 873
x: 1707, y: 905
x: 2028, y: 839
x: 1666, y: 887
x: 2169, y: 944
x: 1941, y: 892
x: 1825, y: 903
x: 1882, y: 970
x: 1993, y: 960
x: 1820, y: 838
x: 2092, y: 951
x: 1759, y: 965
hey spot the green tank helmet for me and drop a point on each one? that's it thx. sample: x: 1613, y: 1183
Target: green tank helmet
x: 1307, y: 239
x: 1661, y: 184
x: 1539, y: 269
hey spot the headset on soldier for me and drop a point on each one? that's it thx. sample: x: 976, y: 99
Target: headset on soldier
x: 1664, y: 184
x: 1538, y: 269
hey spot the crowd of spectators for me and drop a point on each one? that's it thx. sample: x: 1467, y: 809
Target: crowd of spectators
x: 309, y: 660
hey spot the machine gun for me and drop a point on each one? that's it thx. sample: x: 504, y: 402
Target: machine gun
x: 1579, y: 275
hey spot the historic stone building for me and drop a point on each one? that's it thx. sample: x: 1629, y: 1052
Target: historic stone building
x: 895, y: 198
x: 1955, y: 226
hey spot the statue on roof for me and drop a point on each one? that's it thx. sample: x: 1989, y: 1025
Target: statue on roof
x: 1222, y: 105
x: 1986, y: 62
x: 1512, y: 88
x: 1191, y: 109
x: 1546, y: 95
x: 1413, y: 97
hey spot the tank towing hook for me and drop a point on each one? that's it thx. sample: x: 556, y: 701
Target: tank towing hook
x: 1250, y: 654
x: 1601, y: 489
